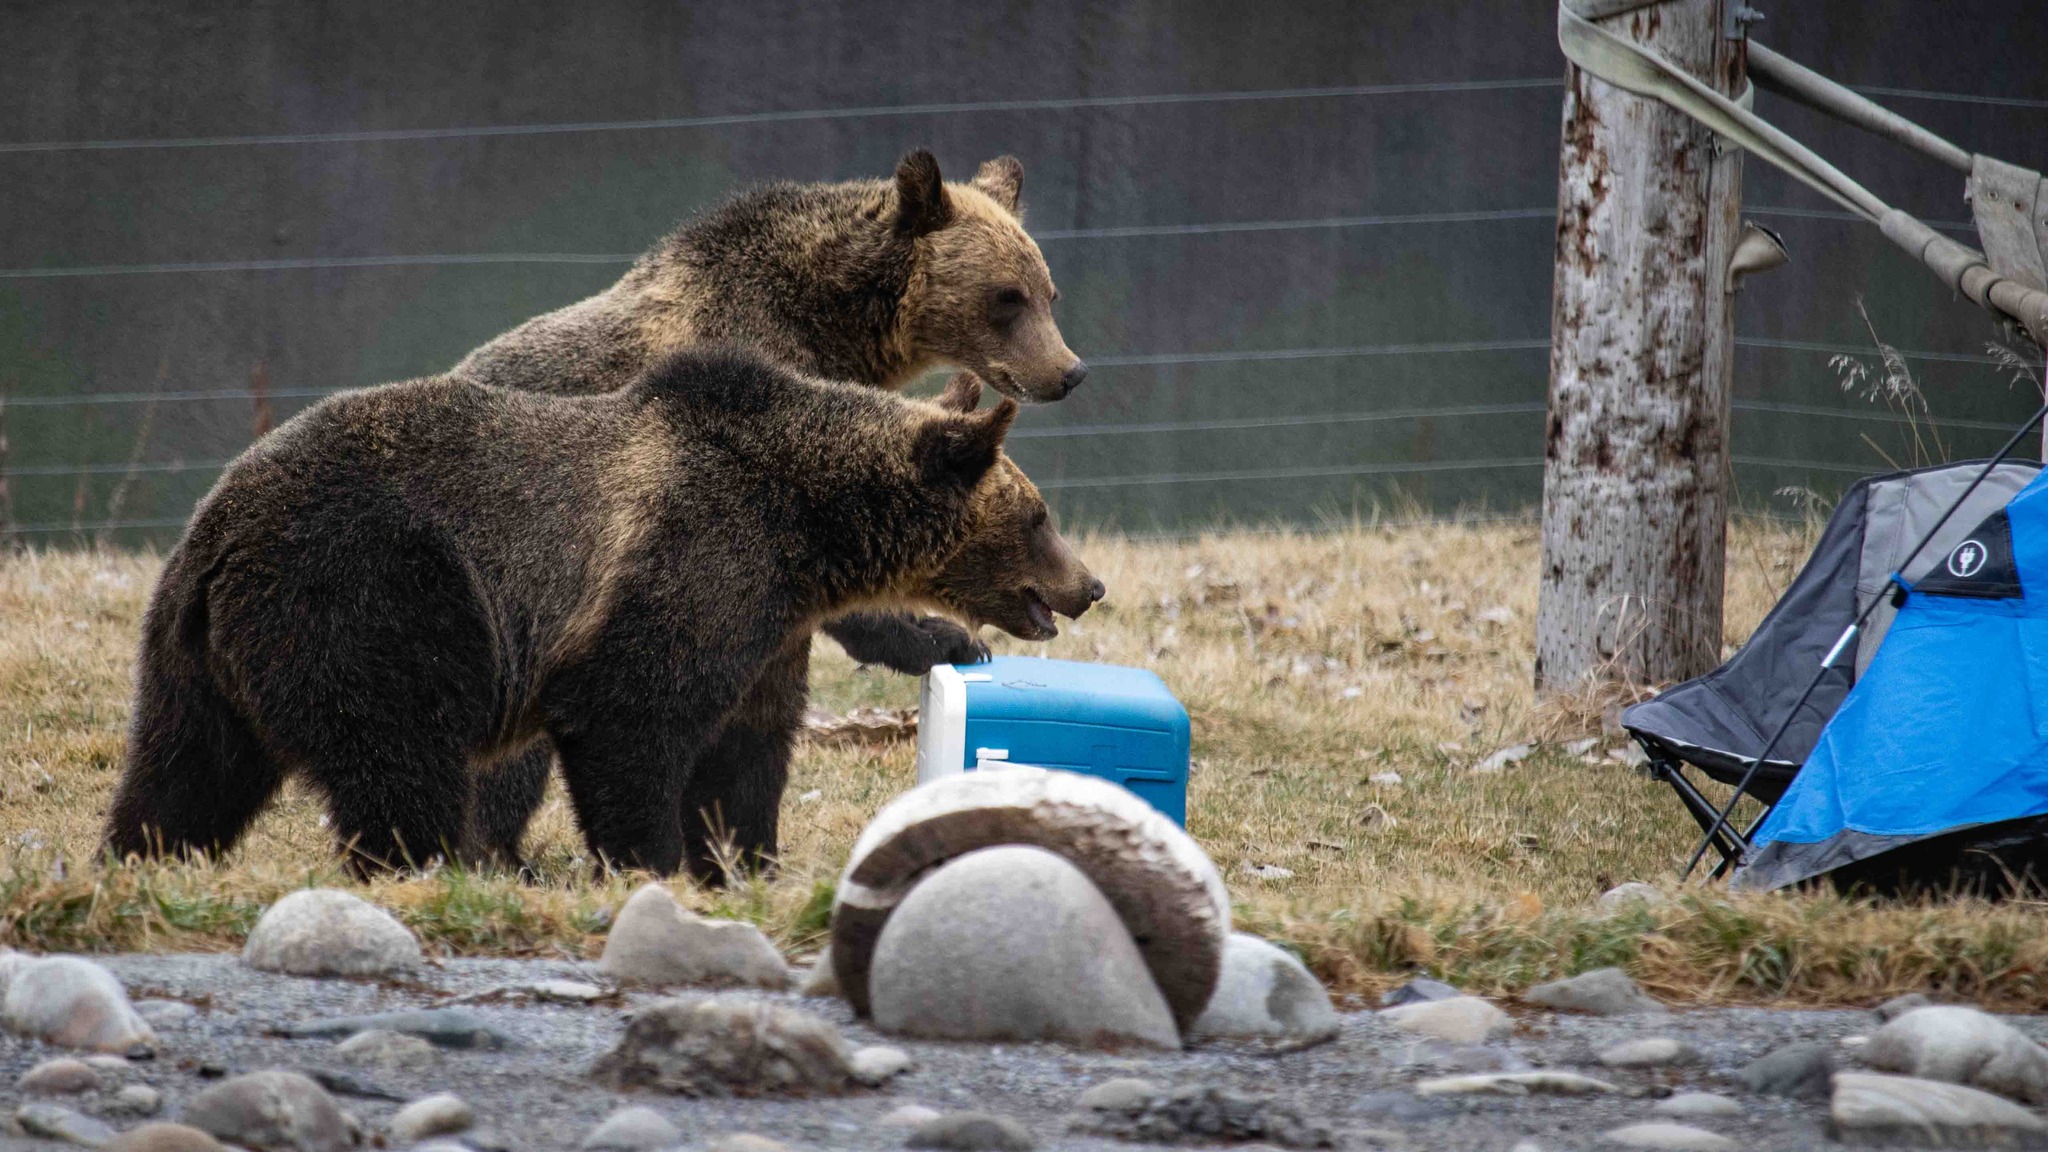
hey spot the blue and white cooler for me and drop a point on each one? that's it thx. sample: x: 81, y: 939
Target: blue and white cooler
x: 1121, y: 724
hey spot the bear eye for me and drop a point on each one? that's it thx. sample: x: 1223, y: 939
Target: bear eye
x: 1009, y: 299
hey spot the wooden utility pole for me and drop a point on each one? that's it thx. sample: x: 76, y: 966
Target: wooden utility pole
x: 1635, y: 479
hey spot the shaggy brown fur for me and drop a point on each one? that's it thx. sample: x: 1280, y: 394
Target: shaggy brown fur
x: 873, y: 281
x: 404, y: 582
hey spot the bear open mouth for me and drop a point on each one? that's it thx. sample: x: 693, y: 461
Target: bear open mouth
x: 1039, y: 613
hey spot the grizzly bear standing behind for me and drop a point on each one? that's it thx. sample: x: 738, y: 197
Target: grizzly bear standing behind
x: 405, y: 582
x: 870, y: 281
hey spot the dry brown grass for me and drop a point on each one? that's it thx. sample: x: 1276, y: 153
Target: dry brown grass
x: 1309, y: 663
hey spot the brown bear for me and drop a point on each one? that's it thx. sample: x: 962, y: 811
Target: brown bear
x: 402, y: 583
x: 870, y: 281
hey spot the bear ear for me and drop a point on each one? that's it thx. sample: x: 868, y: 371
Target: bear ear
x: 962, y: 394
x: 1002, y: 180
x: 921, y: 204
x: 959, y: 450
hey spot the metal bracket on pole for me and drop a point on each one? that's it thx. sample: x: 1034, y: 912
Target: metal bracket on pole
x: 1736, y: 20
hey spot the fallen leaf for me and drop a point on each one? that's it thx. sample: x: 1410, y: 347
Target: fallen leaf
x: 1377, y: 819
x: 1266, y: 871
x: 1512, y: 754
x: 1385, y: 779
x: 860, y: 726
x: 1327, y: 845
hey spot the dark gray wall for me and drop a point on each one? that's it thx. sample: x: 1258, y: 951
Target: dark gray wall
x: 1307, y: 247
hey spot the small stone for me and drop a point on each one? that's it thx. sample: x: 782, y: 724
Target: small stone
x: 1526, y: 1146
x: 441, y: 1027
x: 1961, y: 1046
x: 699, y: 1046
x: 54, y: 1123
x: 165, y: 1014
x: 820, y: 980
x: 442, y: 1114
x: 273, y: 1110
x: 657, y: 941
x: 164, y: 1138
x: 73, y: 1003
x: 1266, y: 992
x: 971, y: 1132
x: 1443, y: 1056
x: 1649, y: 1052
x: 1698, y: 1106
x: 1930, y: 1113
x: 907, y: 1116
x: 1601, y: 992
x: 1204, y: 1113
x: 566, y: 991
x: 1661, y: 1137
x: 1014, y: 943
x: 877, y: 1064
x: 1634, y: 894
x: 1898, y: 1006
x: 382, y: 1048
x: 1797, y: 1070
x: 745, y: 1142
x: 442, y: 1146
x: 108, y: 1064
x: 1123, y: 1094
x: 1417, y: 991
x: 635, y: 1129
x: 1460, y: 1020
x: 1515, y: 1084
x: 138, y: 1100
x: 63, y: 1076
x: 324, y: 932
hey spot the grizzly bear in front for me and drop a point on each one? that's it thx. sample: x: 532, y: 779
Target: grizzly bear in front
x: 404, y: 583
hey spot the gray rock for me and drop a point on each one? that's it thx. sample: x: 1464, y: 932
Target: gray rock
x: 73, y: 1003
x: 324, y: 932
x: 1542, y: 1083
x: 1799, y: 1070
x: 1601, y: 992
x: 1123, y: 1094
x: 442, y: 1146
x: 165, y: 1014
x: 1898, y: 1006
x: 1698, y: 1106
x: 1201, y: 1114
x: 442, y: 1114
x: 62, y: 1076
x: 1014, y: 943
x: 877, y: 1064
x: 1266, y: 992
x: 657, y: 941
x: 164, y: 1138
x: 971, y: 1132
x: 1634, y: 894
x: 384, y: 1049
x: 1663, y: 1137
x: 441, y: 1027
x: 1649, y: 1052
x: 566, y: 991
x: 907, y: 1116
x: 138, y: 1100
x: 1398, y: 1108
x: 1418, y: 990
x: 54, y: 1123
x: 1444, y: 1056
x: 275, y: 1111
x: 820, y: 980
x: 745, y: 1142
x: 635, y: 1129
x: 705, y: 1047
x: 1459, y: 1020
x: 1930, y: 1113
x: 1961, y: 1046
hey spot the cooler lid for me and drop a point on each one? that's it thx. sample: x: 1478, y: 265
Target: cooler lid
x: 1030, y: 688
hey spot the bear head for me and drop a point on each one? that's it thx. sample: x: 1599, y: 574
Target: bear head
x: 1015, y: 570
x: 982, y: 296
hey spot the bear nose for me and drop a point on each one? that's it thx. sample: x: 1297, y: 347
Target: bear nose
x: 1072, y: 377
x: 1096, y: 591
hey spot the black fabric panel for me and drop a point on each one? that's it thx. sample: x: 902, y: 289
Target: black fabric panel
x: 1721, y: 721
x: 1980, y: 567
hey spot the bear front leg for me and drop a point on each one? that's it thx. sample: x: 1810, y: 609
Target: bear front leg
x: 733, y: 804
x: 906, y: 643
x: 626, y: 773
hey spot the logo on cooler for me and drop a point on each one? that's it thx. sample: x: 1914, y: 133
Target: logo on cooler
x: 1966, y: 559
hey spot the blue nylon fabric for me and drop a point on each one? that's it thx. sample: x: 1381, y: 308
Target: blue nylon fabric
x: 1944, y: 729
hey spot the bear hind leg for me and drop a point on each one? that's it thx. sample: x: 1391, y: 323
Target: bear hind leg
x: 196, y: 776
x: 731, y: 810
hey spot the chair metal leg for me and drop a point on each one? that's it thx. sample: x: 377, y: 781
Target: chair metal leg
x: 1727, y: 841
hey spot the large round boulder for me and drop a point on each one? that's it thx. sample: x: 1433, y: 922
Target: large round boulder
x: 1162, y: 885
x: 326, y: 932
x: 1014, y: 943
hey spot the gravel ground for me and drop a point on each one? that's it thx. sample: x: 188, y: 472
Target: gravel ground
x: 537, y: 1097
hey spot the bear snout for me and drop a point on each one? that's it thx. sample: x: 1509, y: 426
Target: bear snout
x: 1071, y: 379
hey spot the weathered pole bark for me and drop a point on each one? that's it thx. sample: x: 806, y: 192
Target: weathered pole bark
x: 1636, y: 479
